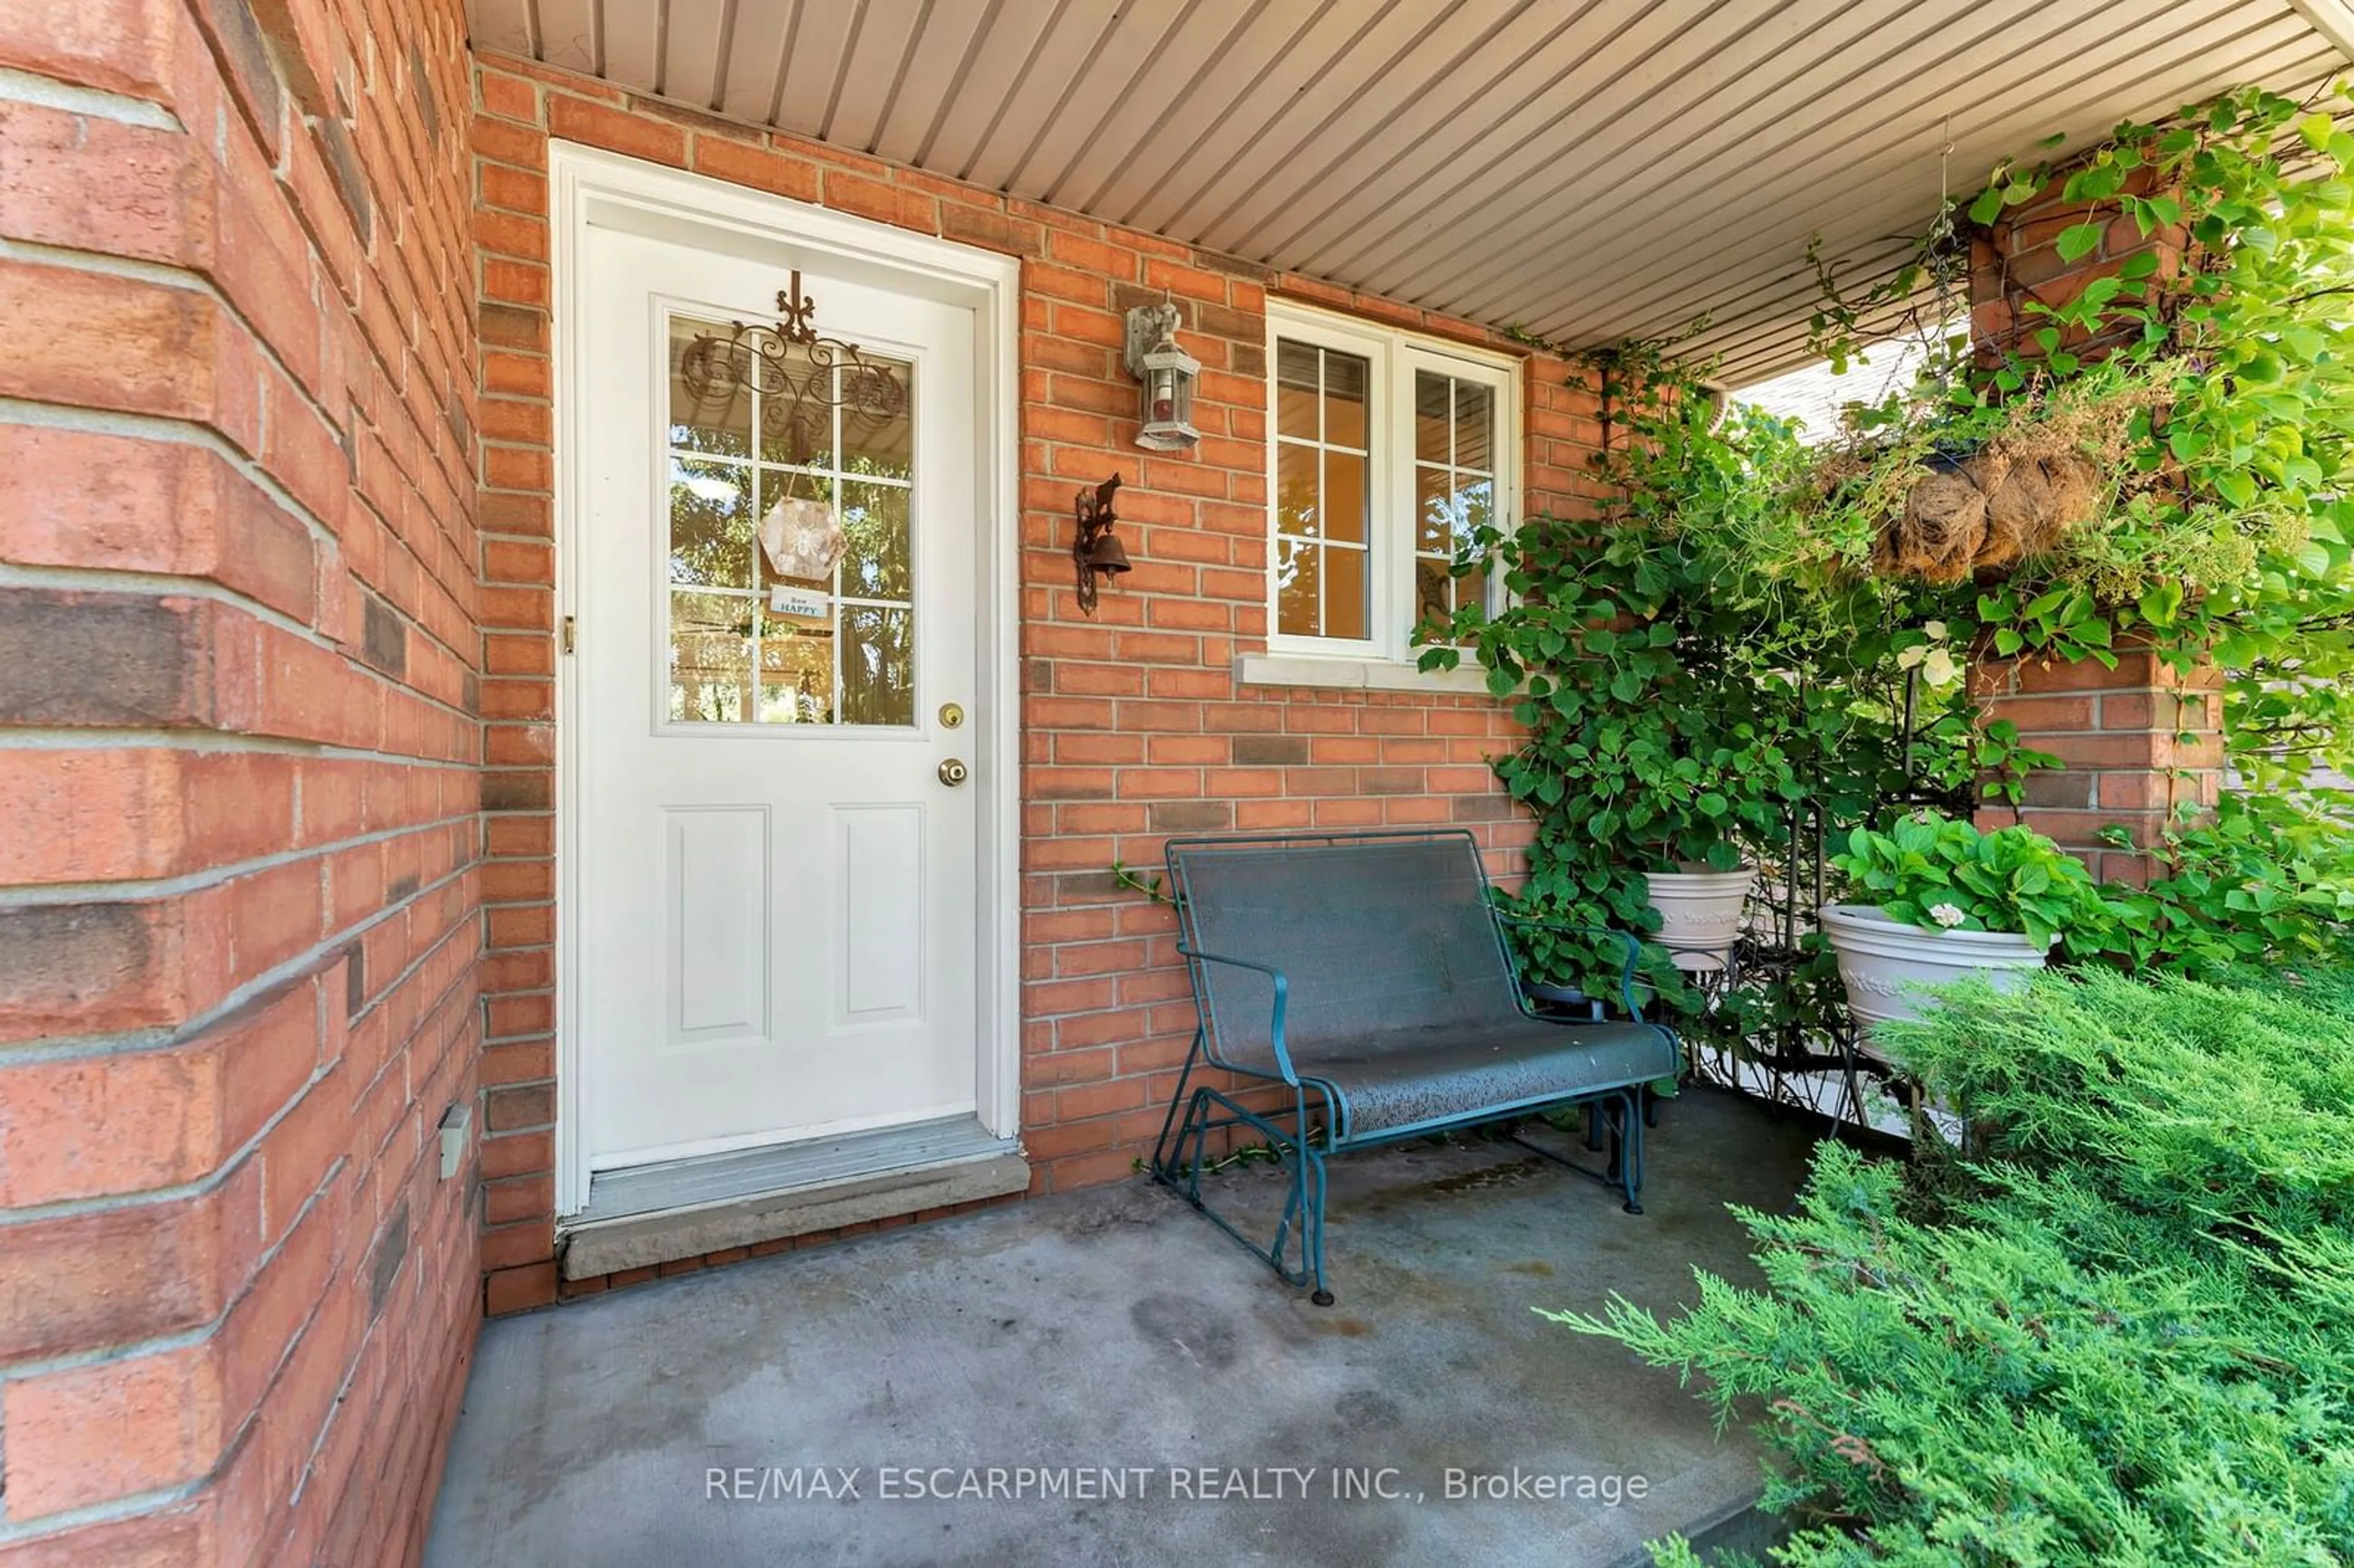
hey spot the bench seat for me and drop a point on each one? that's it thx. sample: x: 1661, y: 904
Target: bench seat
x: 1439, y: 1074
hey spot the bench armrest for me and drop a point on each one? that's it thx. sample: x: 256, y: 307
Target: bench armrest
x: 1282, y: 1001
x: 1632, y: 944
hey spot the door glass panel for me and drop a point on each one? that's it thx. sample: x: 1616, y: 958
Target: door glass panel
x: 880, y: 444
x: 710, y: 657
x: 875, y: 554
x: 791, y: 557
x: 796, y: 674
x: 706, y: 414
x: 710, y: 523
x: 878, y: 674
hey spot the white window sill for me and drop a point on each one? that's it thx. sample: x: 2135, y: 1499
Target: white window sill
x: 1348, y: 675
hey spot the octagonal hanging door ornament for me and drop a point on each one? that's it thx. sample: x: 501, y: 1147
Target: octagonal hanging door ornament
x: 802, y: 538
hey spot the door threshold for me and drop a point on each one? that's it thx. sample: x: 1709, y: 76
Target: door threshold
x: 650, y: 1214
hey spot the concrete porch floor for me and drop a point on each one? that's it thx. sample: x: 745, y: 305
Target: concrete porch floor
x: 1114, y: 1329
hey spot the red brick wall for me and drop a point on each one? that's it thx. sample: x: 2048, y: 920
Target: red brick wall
x: 237, y: 931
x: 2136, y: 742
x: 1134, y: 727
x: 2015, y: 265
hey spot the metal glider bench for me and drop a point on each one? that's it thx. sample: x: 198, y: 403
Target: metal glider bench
x: 1364, y: 986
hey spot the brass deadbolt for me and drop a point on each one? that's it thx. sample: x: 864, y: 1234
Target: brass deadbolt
x: 951, y: 714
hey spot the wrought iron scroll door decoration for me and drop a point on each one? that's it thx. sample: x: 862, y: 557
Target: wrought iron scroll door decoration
x: 802, y: 378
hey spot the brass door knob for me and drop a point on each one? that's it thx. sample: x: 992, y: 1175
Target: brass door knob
x: 954, y: 772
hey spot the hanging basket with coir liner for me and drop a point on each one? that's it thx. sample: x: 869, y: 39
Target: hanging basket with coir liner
x: 1985, y: 512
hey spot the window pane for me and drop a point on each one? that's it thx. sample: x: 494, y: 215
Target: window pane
x: 710, y: 658
x: 875, y: 562
x: 1434, y: 510
x: 1345, y: 496
x: 1297, y: 501
x: 1346, y: 382
x: 1438, y: 591
x: 879, y: 436
x: 878, y: 678
x: 1448, y: 513
x: 1346, y: 610
x: 710, y: 523
x: 1434, y: 590
x: 1475, y: 426
x: 1475, y: 504
x: 1454, y: 490
x: 1432, y: 419
x: 1472, y: 588
x: 1296, y: 376
x: 1299, y: 591
x: 796, y: 673
x: 714, y: 413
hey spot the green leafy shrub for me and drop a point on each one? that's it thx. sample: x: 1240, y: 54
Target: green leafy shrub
x: 1680, y: 708
x: 1944, y: 875
x: 2120, y: 1332
x: 2268, y: 880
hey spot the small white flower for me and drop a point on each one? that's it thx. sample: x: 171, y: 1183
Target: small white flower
x: 1911, y: 657
x: 1940, y: 667
x: 1937, y: 631
x: 1947, y: 914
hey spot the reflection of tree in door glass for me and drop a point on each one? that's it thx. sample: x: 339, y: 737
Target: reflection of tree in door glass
x: 879, y: 684
x: 875, y: 565
x: 710, y: 523
x: 710, y: 658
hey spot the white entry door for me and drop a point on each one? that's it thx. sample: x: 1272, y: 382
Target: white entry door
x: 775, y: 660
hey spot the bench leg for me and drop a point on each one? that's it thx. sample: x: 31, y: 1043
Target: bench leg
x: 1620, y: 1115
x: 1163, y: 1153
x: 1627, y: 1146
x: 1312, y: 1238
x: 1183, y: 1149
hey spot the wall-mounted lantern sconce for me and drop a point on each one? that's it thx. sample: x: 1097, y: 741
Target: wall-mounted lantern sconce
x: 1167, y: 373
x: 1096, y: 550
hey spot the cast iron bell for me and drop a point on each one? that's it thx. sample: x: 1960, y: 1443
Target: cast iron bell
x: 1107, y: 553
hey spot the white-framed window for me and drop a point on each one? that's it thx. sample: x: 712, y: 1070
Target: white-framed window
x: 1385, y: 451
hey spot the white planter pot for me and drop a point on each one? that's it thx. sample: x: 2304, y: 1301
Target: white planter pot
x: 1700, y: 914
x: 1884, y: 962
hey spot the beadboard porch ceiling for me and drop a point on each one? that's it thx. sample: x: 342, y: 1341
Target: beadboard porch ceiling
x: 1588, y: 169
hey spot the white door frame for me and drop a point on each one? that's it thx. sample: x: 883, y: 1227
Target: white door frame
x: 586, y: 183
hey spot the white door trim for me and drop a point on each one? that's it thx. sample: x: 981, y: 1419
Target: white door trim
x: 583, y: 181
